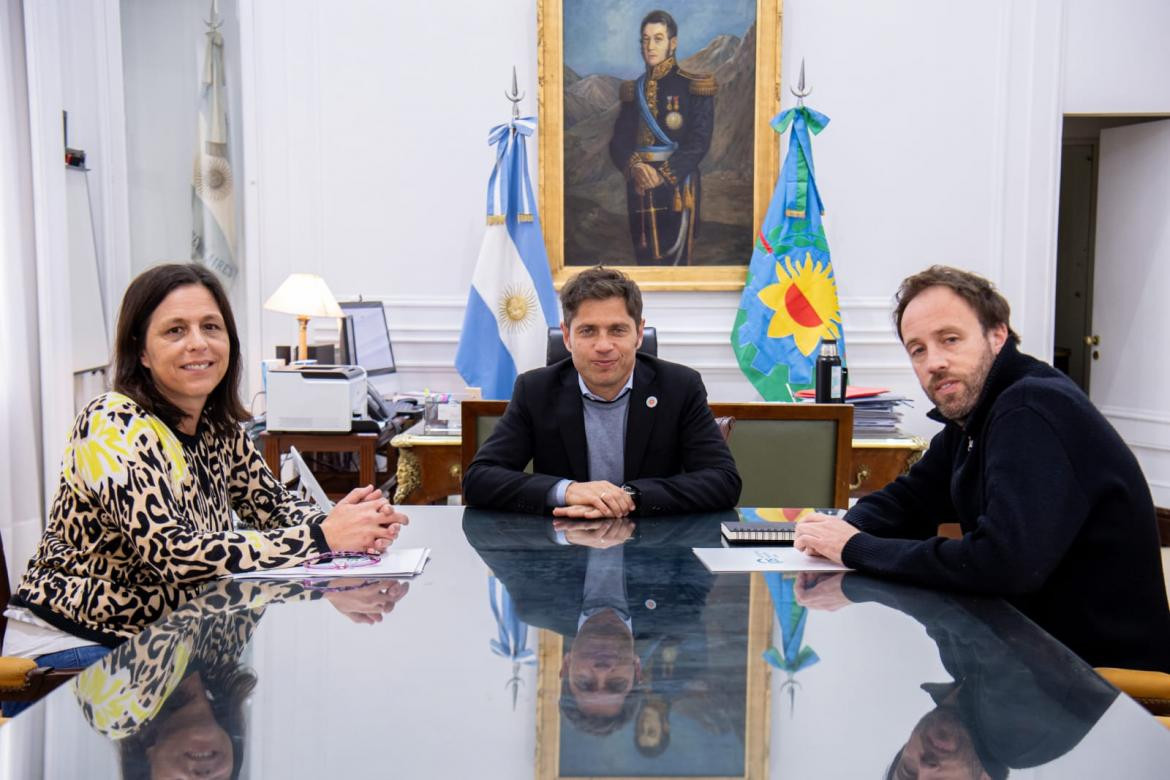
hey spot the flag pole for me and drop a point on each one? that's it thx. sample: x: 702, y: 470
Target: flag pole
x: 515, y: 97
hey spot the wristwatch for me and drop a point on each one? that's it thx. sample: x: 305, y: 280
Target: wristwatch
x: 634, y: 494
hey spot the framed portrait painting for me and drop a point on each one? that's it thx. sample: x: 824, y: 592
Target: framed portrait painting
x: 655, y: 150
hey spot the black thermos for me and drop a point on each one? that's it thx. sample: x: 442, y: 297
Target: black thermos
x: 830, y: 387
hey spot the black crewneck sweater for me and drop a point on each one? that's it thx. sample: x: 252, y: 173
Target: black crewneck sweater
x: 1056, y: 518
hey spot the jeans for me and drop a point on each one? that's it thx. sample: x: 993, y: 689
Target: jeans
x: 73, y: 658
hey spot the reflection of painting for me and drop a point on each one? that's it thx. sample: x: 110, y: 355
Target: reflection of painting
x: 655, y: 154
x: 695, y: 709
x: 658, y: 136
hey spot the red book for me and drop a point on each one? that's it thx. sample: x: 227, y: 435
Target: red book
x: 851, y: 392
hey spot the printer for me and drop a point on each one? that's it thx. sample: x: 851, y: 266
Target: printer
x: 315, y: 398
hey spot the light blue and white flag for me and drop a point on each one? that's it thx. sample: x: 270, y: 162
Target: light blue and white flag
x: 213, y: 198
x: 511, y: 304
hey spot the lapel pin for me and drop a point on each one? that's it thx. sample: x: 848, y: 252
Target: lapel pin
x: 651, y: 402
x: 651, y: 603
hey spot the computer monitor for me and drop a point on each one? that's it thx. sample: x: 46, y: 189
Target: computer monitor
x: 366, y: 337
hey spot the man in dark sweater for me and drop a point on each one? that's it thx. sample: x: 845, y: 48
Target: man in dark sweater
x: 610, y: 432
x: 1055, y: 513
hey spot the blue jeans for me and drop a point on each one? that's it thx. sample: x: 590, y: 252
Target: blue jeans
x: 73, y: 658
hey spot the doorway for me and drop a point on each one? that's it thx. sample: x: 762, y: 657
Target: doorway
x: 1075, y: 343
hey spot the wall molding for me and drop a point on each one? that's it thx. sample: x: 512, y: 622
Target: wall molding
x: 113, y: 176
x: 42, y: 40
x: 1135, y: 415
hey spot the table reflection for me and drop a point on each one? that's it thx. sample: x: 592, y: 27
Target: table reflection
x: 1016, y: 698
x: 173, y: 700
x: 642, y: 644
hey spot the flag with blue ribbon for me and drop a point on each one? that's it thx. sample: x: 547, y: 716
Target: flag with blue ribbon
x: 512, y: 639
x: 789, y: 303
x: 792, y: 655
x: 213, y: 199
x: 511, y: 303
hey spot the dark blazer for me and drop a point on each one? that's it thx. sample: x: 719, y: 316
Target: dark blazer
x: 674, y: 454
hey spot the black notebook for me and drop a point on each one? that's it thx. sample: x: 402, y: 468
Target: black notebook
x: 760, y: 526
x: 759, y: 533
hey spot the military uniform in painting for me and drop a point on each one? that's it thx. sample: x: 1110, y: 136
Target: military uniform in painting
x: 664, y: 220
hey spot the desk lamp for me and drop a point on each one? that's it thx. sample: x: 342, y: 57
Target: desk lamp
x: 305, y: 295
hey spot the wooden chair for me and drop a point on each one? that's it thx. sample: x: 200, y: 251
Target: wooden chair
x: 791, y: 454
x: 20, y: 678
x: 1149, y: 689
x: 479, y: 420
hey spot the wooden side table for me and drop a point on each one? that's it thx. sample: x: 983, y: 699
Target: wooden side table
x: 429, y: 467
x: 878, y: 462
x: 365, y: 444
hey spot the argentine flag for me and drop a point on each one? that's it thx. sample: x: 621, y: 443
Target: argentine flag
x: 511, y: 304
x: 213, y: 198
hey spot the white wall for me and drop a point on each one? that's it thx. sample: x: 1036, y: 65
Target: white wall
x: 364, y: 134
x: 21, y: 493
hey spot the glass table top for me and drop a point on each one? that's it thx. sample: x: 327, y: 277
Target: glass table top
x: 519, y: 653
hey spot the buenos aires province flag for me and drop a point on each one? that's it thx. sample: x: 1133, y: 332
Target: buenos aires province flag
x: 789, y: 303
x: 511, y: 304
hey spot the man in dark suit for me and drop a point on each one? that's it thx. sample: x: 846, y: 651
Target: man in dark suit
x: 610, y: 432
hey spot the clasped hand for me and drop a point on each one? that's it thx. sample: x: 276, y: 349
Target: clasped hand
x: 590, y: 500
x: 600, y: 534
x: 645, y: 177
x: 366, y: 602
x: 363, y: 520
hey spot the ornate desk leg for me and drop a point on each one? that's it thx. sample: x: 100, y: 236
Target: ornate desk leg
x: 409, y: 475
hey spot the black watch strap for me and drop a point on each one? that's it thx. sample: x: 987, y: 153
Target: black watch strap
x: 634, y: 494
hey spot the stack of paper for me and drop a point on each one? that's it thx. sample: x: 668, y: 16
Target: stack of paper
x: 877, y: 416
x: 393, y: 563
x: 875, y: 410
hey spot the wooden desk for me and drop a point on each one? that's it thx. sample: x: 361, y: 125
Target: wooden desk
x: 365, y: 444
x: 878, y: 462
x: 429, y: 467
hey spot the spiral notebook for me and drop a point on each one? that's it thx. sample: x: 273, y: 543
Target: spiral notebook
x: 767, y: 526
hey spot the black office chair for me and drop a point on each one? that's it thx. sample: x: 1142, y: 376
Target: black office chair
x: 556, y: 352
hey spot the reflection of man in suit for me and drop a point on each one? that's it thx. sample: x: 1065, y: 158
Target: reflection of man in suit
x: 1015, y: 700
x: 602, y: 587
x: 662, y: 131
x: 610, y: 432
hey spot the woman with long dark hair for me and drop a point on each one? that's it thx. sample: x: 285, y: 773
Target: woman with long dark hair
x: 150, y: 480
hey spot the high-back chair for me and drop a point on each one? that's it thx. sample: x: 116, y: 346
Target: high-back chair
x: 555, y: 349
x: 20, y: 678
x: 479, y: 420
x: 791, y: 454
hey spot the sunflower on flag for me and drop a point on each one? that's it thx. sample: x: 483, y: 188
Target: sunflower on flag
x: 789, y: 303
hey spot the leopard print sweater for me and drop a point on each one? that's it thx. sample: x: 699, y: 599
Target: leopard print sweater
x: 142, y: 513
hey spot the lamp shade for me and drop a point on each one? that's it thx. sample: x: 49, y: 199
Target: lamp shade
x: 305, y: 295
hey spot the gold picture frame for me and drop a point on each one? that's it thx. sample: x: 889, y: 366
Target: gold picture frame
x: 551, y: 179
x: 757, y: 705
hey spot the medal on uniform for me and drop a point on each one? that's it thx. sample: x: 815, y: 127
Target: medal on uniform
x: 674, y: 119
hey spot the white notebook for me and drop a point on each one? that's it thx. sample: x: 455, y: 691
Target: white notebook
x: 728, y: 559
x: 406, y: 562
